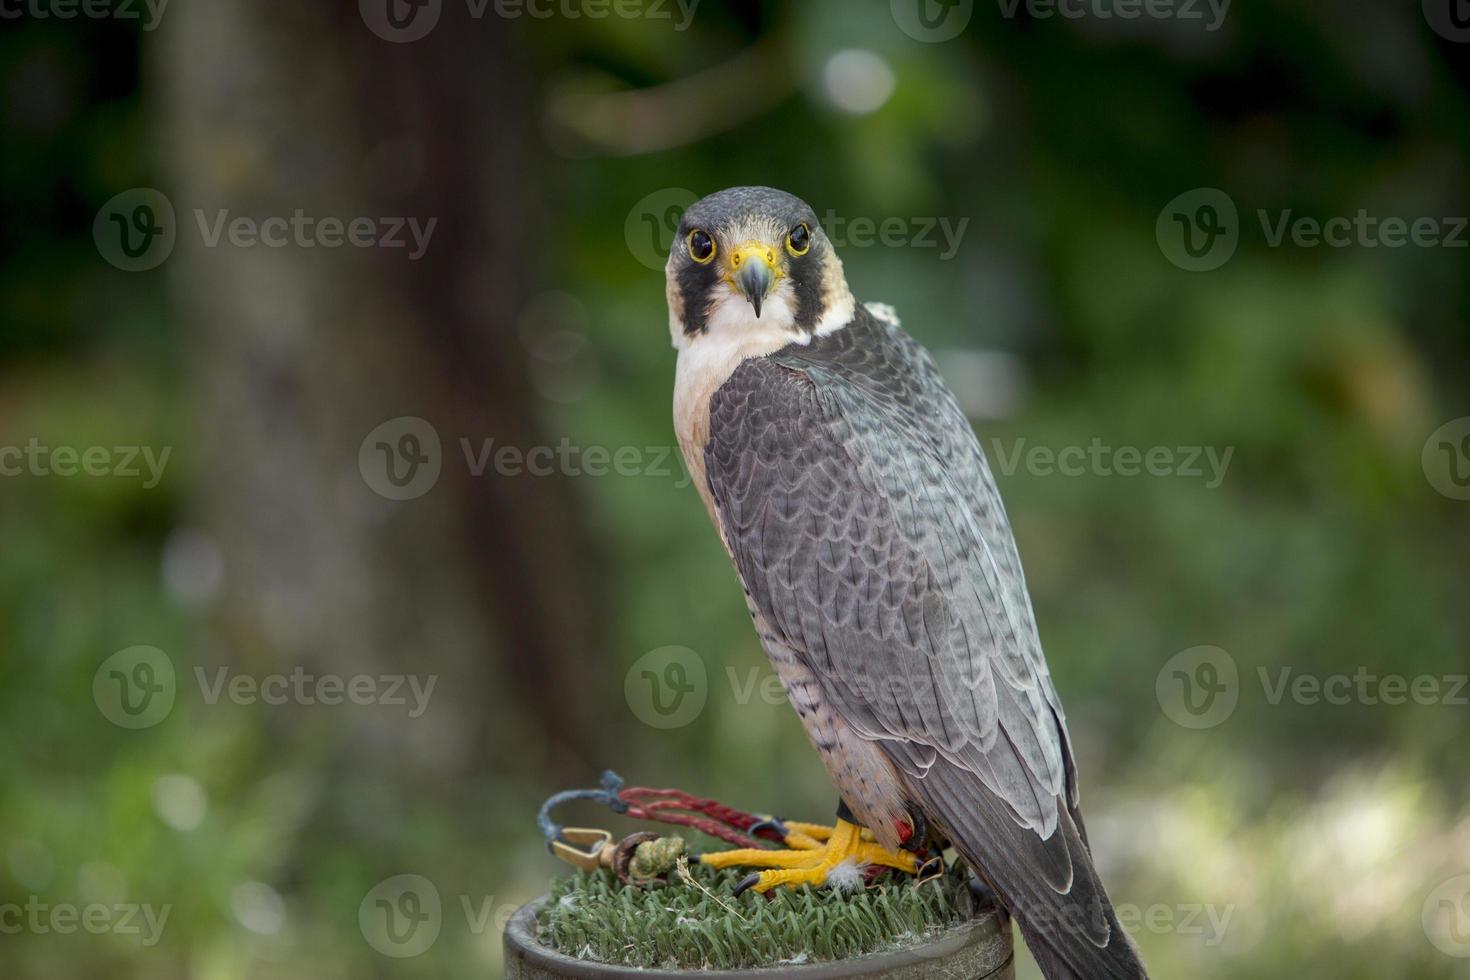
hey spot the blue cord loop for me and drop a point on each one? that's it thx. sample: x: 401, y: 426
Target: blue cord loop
x: 612, y: 785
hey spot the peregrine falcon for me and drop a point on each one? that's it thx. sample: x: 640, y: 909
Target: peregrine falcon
x: 882, y: 576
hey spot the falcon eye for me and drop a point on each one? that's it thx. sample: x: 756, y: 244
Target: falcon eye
x: 799, y: 239
x: 701, y: 246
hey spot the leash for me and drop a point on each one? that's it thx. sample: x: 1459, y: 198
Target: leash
x: 590, y: 848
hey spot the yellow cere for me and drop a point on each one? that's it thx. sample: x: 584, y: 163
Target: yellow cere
x: 756, y: 251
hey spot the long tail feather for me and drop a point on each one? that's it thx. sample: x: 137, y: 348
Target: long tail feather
x: 1049, y: 886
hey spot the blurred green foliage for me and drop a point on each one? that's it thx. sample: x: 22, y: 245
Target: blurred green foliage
x: 1318, y: 829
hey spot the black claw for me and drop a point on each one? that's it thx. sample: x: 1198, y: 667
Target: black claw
x: 774, y: 824
x: 746, y: 883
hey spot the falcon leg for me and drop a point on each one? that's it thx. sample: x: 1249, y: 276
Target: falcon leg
x: 816, y: 855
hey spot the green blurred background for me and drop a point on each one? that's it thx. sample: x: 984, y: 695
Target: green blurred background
x: 1283, y: 839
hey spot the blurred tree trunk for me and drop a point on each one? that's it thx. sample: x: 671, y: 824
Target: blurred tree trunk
x: 490, y: 582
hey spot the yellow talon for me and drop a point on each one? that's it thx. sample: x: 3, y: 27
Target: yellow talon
x: 814, y: 830
x: 810, y: 861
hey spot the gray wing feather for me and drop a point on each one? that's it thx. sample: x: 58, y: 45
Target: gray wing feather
x: 867, y: 526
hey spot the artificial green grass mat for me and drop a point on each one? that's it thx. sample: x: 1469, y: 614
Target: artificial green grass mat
x: 591, y: 916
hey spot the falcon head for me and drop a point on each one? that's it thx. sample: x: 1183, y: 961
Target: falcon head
x: 754, y: 259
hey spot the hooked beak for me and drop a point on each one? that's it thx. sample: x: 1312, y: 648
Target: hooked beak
x: 753, y: 272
